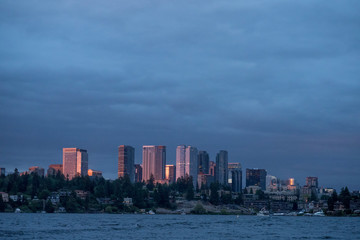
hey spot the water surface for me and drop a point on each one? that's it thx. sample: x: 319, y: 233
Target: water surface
x: 129, y: 226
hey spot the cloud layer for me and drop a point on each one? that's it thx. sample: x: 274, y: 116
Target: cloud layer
x: 273, y: 82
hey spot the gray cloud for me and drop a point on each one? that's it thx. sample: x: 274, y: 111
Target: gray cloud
x: 275, y: 83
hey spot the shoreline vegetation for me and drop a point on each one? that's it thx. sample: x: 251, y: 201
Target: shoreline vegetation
x: 30, y: 193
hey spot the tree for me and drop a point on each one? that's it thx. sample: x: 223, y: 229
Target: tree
x: 150, y: 183
x: 260, y: 194
x: 49, y: 208
x: 190, y: 193
x: 214, y: 195
x: 44, y: 194
x: 198, y: 209
x: 2, y: 204
x: 345, y: 197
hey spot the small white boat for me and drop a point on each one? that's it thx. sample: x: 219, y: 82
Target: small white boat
x: 279, y: 214
x: 17, y: 210
x: 263, y: 213
x: 319, y: 214
x: 151, y: 212
x: 301, y: 213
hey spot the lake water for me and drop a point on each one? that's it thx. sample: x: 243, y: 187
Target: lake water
x: 128, y: 226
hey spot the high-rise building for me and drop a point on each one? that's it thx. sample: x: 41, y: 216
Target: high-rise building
x: 256, y: 177
x: 2, y: 171
x: 75, y: 162
x: 170, y: 173
x: 312, y: 182
x: 235, y: 177
x: 212, y: 168
x: 187, y: 162
x: 180, y: 161
x: 191, y: 166
x: 222, y: 167
x: 126, y: 162
x: 154, y: 161
x: 203, y: 162
x: 138, y: 173
x: 54, y: 169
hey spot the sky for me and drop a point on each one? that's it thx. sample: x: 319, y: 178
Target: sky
x: 275, y: 83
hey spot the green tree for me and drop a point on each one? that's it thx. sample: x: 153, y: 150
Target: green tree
x: 49, y: 208
x: 260, y: 194
x: 44, y: 194
x: 150, y: 183
x: 2, y: 205
x: 198, y: 209
x: 214, y: 195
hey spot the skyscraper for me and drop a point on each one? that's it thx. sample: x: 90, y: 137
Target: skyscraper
x: 2, y: 171
x: 138, y: 173
x: 75, y: 162
x: 170, y: 173
x: 203, y: 162
x: 126, y: 162
x: 222, y: 167
x: 187, y: 162
x: 256, y: 177
x: 235, y: 177
x: 180, y: 161
x: 154, y: 161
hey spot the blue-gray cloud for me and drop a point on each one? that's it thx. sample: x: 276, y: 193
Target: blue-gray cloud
x: 276, y: 83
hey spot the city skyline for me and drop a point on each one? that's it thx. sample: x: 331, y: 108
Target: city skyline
x: 160, y: 168
x: 272, y: 82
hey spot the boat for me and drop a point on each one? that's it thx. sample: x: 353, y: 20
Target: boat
x: 301, y: 213
x: 263, y: 213
x: 17, y: 210
x: 279, y: 214
x: 319, y: 214
x: 151, y: 212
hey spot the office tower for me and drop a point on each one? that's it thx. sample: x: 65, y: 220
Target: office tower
x: 212, y: 168
x: 180, y: 161
x: 256, y: 177
x: 187, y: 162
x: 138, y: 173
x: 126, y: 162
x: 191, y: 160
x: 170, y: 173
x: 2, y: 171
x: 203, y: 162
x: 54, y: 169
x: 235, y: 177
x: 154, y: 161
x: 312, y: 182
x: 75, y: 162
x: 222, y: 167
x: 95, y: 173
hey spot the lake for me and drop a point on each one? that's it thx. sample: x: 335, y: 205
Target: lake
x: 132, y: 226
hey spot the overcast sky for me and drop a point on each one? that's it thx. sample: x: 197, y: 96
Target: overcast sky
x: 276, y: 83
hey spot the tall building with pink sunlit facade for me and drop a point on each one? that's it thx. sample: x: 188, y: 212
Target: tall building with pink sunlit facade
x: 75, y: 162
x: 154, y: 161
